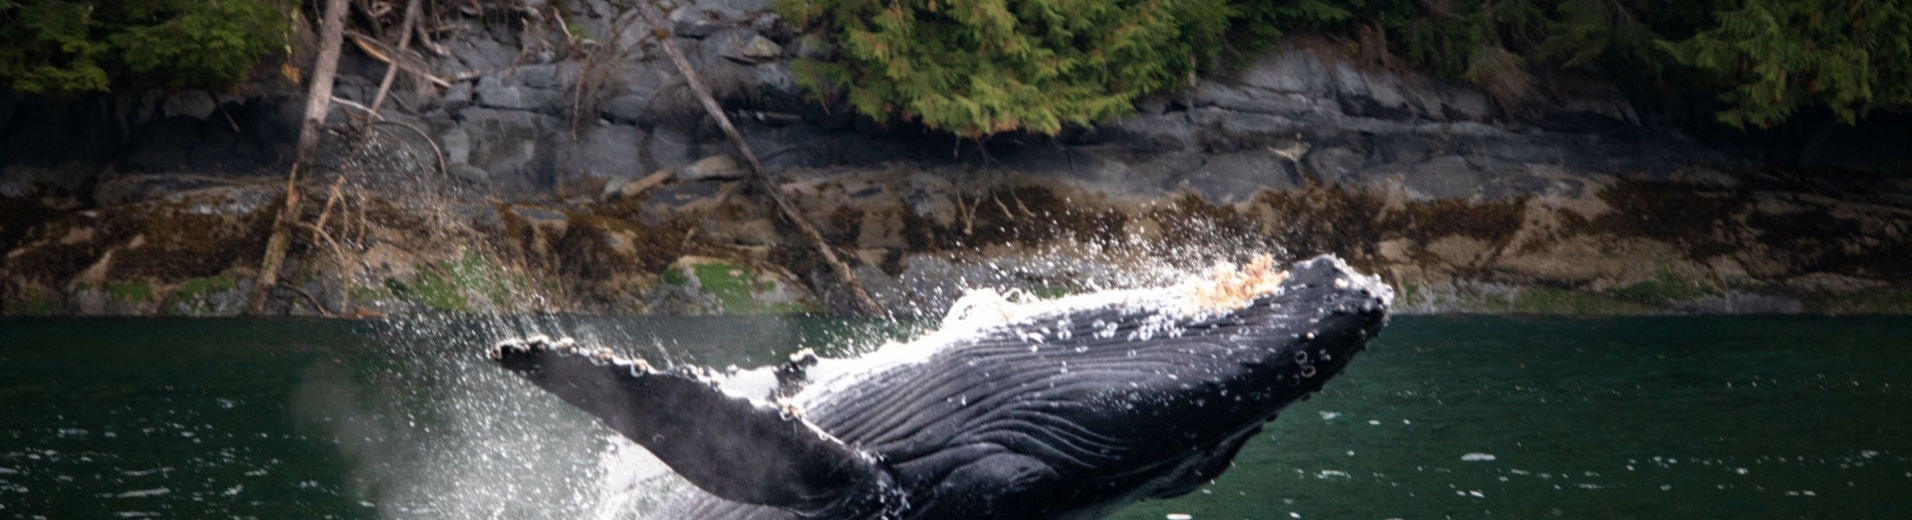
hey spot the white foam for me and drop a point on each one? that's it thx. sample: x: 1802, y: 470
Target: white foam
x: 143, y: 493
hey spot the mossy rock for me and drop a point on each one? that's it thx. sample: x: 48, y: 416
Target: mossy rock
x: 471, y: 282
x: 701, y: 285
x: 217, y: 295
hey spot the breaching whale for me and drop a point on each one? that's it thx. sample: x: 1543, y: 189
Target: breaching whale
x: 1057, y: 409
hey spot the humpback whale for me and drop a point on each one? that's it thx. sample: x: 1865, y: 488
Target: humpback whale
x: 1067, y: 408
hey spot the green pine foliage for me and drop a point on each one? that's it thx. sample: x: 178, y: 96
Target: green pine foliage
x: 94, y: 45
x: 980, y: 67
x: 1775, y: 56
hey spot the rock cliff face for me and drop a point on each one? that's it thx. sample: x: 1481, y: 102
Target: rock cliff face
x: 560, y: 174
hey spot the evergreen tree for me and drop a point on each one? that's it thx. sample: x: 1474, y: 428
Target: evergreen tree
x: 979, y: 67
x: 1774, y: 56
x: 92, y: 45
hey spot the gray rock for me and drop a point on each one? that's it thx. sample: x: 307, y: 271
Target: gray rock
x: 625, y: 109
x: 469, y: 173
x: 455, y: 142
x: 745, y: 6
x: 196, y: 104
x: 1359, y: 91
x: 509, y: 146
x: 1152, y: 133
x: 1445, y: 177
x: 1334, y: 165
x: 480, y: 53
x: 491, y: 93
x: 597, y: 155
x: 1231, y: 178
x: 671, y: 148
x: 743, y: 46
x: 1211, y: 94
x: 541, y: 76
x: 1152, y: 104
x: 699, y: 21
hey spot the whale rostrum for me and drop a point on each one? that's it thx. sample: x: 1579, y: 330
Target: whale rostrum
x: 1066, y: 408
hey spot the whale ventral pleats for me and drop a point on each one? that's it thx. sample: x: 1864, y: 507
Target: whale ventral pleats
x: 1228, y: 288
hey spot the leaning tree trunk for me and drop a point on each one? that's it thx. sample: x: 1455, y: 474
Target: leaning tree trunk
x: 860, y: 298
x: 318, y: 100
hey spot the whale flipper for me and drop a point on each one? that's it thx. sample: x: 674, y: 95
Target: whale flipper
x: 732, y: 447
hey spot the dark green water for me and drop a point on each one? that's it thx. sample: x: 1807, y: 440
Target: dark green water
x: 1732, y: 417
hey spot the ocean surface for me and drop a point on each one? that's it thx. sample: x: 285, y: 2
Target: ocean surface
x: 1444, y: 417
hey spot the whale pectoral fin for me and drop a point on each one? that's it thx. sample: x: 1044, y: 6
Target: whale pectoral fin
x: 1215, y: 461
x: 988, y: 488
x: 732, y: 447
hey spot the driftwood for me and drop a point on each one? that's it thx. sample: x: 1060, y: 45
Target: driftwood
x: 372, y: 48
x: 404, y: 40
x: 319, y: 227
x: 276, y: 244
x: 861, y: 298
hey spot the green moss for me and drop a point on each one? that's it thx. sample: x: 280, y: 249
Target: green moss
x: 675, y: 277
x: 730, y: 284
x: 195, y: 288
x: 477, y: 274
x: 453, y: 284
x: 130, y: 291
x: 1666, y: 286
x: 439, y: 293
x: 736, y: 289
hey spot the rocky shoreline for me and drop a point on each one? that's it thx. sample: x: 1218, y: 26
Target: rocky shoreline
x: 151, y: 203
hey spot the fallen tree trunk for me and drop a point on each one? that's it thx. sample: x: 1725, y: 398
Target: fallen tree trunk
x: 318, y: 102
x: 276, y: 244
x: 860, y: 298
